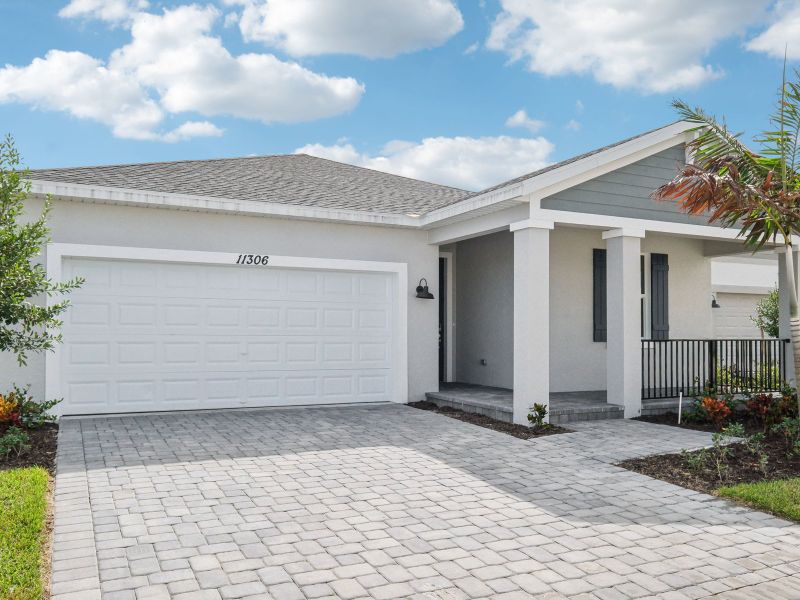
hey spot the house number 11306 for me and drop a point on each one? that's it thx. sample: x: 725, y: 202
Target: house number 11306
x: 252, y: 259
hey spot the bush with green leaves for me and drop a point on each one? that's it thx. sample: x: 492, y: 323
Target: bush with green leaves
x: 766, y: 317
x: 537, y: 415
x: 14, y: 442
x: 26, y: 324
x: 33, y: 414
x: 789, y: 430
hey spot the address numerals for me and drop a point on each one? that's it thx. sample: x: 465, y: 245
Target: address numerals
x: 252, y: 259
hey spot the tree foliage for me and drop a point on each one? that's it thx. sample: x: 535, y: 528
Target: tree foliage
x: 766, y: 317
x: 757, y: 193
x: 27, y: 323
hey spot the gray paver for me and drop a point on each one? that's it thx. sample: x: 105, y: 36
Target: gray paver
x: 391, y: 502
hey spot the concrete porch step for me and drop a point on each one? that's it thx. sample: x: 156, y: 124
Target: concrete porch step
x: 497, y: 403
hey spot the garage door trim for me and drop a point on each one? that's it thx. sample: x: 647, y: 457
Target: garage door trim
x: 57, y: 252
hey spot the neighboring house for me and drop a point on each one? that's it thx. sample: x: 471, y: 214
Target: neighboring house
x: 738, y: 284
x: 293, y: 280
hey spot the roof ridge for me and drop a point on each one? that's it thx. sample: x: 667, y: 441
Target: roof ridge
x: 169, y: 162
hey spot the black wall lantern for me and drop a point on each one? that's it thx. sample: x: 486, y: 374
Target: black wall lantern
x: 422, y: 290
x: 714, y: 303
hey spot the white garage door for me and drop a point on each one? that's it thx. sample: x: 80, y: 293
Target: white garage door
x: 732, y: 318
x: 144, y: 336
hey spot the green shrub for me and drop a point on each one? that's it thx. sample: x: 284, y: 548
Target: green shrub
x: 789, y: 429
x: 14, y: 442
x: 537, y: 415
x: 33, y: 414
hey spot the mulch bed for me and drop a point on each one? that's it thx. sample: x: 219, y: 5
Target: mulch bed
x: 519, y: 431
x: 43, y: 449
x: 750, y: 426
x: 743, y: 466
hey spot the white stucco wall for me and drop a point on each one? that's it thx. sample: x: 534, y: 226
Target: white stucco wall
x: 484, y: 305
x: 84, y: 223
x: 484, y: 310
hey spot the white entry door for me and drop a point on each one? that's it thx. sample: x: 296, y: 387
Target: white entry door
x: 153, y: 336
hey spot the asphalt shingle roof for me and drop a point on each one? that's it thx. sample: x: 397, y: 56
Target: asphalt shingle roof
x: 295, y: 179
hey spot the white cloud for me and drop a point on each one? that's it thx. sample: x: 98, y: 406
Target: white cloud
x: 521, y: 119
x: 371, y: 28
x: 174, y: 65
x: 76, y: 83
x: 782, y: 35
x: 464, y: 162
x: 472, y: 48
x: 193, y: 71
x: 105, y: 10
x: 579, y: 107
x: 573, y: 125
x: 192, y: 129
x: 655, y: 47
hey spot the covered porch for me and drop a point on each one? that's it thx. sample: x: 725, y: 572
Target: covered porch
x: 530, y: 315
x: 574, y: 288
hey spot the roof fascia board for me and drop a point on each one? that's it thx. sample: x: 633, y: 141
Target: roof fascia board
x: 606, y: 222
x: 478, y: 226
x: 132, y: 197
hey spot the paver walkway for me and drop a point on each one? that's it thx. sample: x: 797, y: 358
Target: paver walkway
x: 388, y: 502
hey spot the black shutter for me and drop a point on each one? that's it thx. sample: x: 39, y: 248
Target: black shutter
x: 599, y: 294
x: 659, y: 296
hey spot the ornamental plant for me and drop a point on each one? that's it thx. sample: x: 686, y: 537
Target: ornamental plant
x: 26, y: 325
x: 716, y: 410
x: 766, y: 317
x: 14, y: 442
x: 9, y: 409
x: 761, y: 407
x: 537, y: 415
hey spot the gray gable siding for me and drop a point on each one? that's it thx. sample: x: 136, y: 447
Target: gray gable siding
x: 626, y: 191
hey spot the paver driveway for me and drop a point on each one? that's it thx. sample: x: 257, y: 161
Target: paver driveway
x: 393, y: 502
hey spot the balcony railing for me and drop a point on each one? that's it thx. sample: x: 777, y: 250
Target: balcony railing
x: 670, y: 367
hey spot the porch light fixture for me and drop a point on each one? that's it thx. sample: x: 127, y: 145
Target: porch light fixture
x: 714, y: 303
x: 422, y: 290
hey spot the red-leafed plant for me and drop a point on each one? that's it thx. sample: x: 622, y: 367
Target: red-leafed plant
x: 760, y: 406
x: 717, y: 411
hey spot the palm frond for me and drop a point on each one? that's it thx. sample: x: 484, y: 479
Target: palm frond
x: 715, y: 145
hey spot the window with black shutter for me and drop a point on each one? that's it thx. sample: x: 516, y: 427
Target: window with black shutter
x: 659, y: 296
x: 599, y: 295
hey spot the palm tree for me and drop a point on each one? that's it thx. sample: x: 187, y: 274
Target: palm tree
x: 757, y: 193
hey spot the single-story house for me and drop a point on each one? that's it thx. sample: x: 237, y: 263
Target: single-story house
x: 294, y: 280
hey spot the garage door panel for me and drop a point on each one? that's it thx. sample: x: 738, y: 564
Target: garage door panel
x: 167, y: 316
x: 182, y: 354
x: 158, y: 336
x: 136, y: 278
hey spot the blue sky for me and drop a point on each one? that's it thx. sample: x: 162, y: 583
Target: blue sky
x: 424, y: 90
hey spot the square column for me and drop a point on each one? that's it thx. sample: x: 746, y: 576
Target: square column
x: 784, y: 310
x: 531, y: 316
x: 623, y: 320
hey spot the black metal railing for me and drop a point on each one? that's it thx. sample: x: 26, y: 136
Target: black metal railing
x: 670, y: 367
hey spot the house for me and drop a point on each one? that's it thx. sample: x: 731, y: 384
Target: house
x: 290, y: 280
x: 738, y: 285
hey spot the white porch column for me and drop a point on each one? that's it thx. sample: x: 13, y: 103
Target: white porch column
x: 623, y: 321
x: 783, y: 310
x: 531, y: 316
